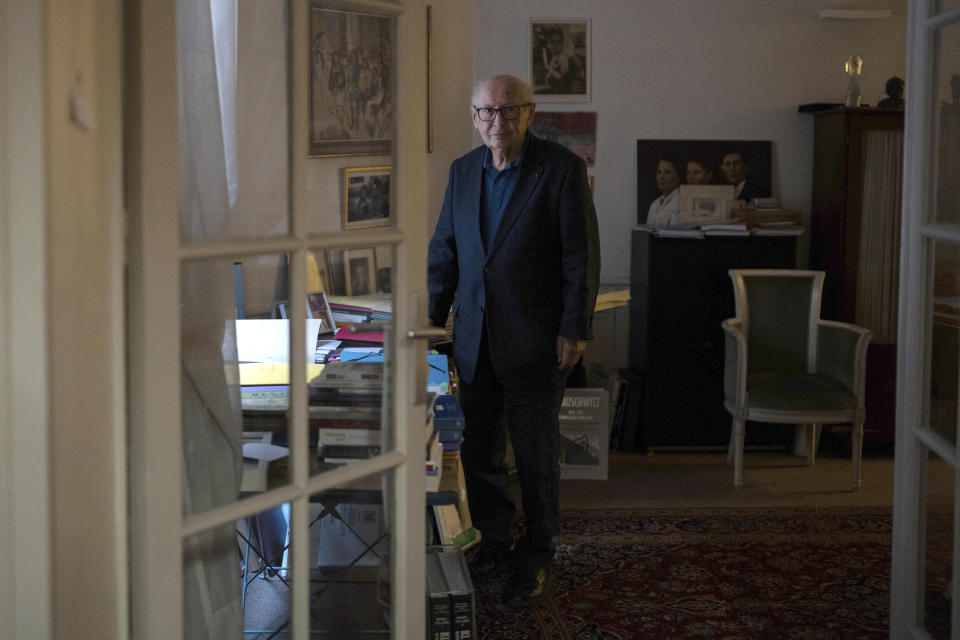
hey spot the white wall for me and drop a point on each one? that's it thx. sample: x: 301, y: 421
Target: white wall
x: 695, y: 69
x: 263, y: 202
x: 453, y: 55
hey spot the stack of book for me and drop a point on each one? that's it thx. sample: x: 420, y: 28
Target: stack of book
x: 264, y: 407
x: 725, y: 229
x: 448, y: 422
x: 451, y: 610
x: 358, y: 322
x: 346, y: 410
x: 782, y: 228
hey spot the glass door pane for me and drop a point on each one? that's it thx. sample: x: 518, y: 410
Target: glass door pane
x: 944, y: 327
x: 938, y: 549
x: 945, y: 125
x: 349, y: 396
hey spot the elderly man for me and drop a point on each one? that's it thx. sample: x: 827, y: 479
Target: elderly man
x: 515, y: 257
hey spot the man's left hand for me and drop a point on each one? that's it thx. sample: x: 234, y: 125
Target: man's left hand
x: 569, y: 351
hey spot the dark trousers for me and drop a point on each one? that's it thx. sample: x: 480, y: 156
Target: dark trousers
x: 527, y: 409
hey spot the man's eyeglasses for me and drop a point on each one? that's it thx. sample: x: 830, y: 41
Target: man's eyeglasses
x: 510, y: 112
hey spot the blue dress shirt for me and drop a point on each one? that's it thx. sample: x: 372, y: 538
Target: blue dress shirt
x: 497, y: 188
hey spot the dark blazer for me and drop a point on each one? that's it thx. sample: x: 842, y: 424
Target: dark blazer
x: 540, y: 277
x: 752, y: 190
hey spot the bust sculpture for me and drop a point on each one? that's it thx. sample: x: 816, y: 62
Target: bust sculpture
x: 894, y: 89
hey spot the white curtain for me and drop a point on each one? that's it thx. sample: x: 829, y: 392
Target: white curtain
x: 879, y: 261
x: 212, y: 426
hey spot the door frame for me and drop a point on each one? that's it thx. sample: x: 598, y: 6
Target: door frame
x: 154, y: 253
x: 913, y: 439
x: 25, y: 539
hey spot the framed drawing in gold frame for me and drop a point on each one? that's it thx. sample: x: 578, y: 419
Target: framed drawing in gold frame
x: 351, y: 74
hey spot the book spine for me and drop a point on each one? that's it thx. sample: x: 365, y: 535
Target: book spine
x: 462, y: 615
x: 449, y: 424
x: 440, y: 622
x: 349, y: 452
x: 344, y: 423
x: 363, y: 437
x: 450, y: 436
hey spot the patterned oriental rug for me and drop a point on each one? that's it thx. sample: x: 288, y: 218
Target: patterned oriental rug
x: 735, y: 574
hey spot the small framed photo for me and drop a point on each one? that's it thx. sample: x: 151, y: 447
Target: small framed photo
x: 319, y: 308
x: 351, y: 70
x: 560, y: 59
x: 366, y: 197
x: 705, y: 203
x: 360, y: 267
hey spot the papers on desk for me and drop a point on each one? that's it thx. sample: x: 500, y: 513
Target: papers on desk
x: 272, y: 373
x: 265, y: 340
x: 264, y: 452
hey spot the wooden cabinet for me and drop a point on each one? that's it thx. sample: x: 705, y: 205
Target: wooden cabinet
x: 855, y: 238
x: 680, y: 292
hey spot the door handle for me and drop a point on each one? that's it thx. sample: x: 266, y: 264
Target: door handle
x: 425, y: 333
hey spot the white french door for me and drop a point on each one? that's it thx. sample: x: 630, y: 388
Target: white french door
x: 238, y: 205
x: 925, y: 590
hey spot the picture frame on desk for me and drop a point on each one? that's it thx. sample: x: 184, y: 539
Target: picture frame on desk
x: 705, y: 203
x: 318, y: 307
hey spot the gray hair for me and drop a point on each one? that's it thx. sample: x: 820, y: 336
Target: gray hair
x: 517, y: 86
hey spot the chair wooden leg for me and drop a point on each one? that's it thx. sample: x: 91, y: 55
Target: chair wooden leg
x: 856, y: 453
x: 736, y: 450
x: 814, y: 434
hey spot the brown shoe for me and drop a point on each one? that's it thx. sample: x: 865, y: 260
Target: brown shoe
x: 526, y: 586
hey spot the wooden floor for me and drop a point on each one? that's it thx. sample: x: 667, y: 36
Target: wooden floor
x: 673, y: 479
x: 703, y: 479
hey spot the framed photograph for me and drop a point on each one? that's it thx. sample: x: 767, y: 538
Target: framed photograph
x: 560, y: 59
x: 744, y: 165
x: 575, y: 130
x: 366, y: 197
x: 318, y: 274
x: 384, y: 279
x: 319, y: 308
x: 360, y: 266
x: 705, y: 203
x: 351, y: 69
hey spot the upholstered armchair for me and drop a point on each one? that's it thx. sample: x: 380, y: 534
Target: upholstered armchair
x: 783, y: 364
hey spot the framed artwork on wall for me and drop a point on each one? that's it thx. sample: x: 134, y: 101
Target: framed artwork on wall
x: 576, y: 130
x: 366, y: 197
x: 360, y: 266
x: 744, y: 165
x: 560, y: 59
x: 351, y: 70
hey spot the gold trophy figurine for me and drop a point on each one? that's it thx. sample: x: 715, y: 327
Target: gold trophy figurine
x: 853, y: 66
